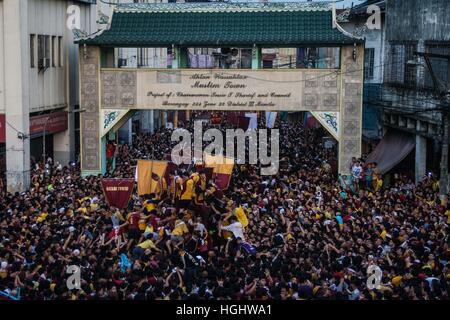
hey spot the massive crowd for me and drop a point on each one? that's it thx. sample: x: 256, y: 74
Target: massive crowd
x: 302, y: 234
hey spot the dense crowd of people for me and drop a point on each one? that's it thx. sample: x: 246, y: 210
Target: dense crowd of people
x: 305, y: 233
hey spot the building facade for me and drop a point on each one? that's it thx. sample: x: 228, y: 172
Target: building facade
x: 409, y: 99
x: 38, y: 82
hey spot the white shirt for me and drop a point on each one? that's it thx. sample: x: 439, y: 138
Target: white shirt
x: 237, y: 230
x: 201, y: 228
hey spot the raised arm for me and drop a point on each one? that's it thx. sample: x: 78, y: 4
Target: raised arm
x: 67, y: 241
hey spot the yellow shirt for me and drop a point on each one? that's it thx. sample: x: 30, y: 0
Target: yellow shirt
x: 189, y: 192
x: 447, y: 213
x: 241, y: 216
x: 180, y: 228
x: 149, y: 205
x: 42, y: 216
x: 147, y: 244
x: 142, y: 226
x: 85, y: 199
x: 383, y: 234
x: 195, y: 177
x: 397, y: 280
x: 82, y: 210
x: 379, y: 184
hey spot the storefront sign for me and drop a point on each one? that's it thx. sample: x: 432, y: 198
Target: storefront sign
x: 50, y: 123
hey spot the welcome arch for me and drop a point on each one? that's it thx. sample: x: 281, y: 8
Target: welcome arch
x: 109, y: 95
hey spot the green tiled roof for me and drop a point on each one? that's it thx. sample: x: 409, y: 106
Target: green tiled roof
x: 209, y: 24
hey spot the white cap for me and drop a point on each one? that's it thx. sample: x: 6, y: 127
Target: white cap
x: 76, y: 252
x: 71, y: 228
x: 4, y: 264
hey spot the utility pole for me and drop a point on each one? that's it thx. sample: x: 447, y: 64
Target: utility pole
x: 443, y: 182
x: 442, y: 93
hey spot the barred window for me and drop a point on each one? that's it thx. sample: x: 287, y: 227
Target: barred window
x: 32, y: 50
x: 369, y: 61
x: 43, y: 51
x: 398, y: 70
x: 54, y: 51
x: 441, y: 66
x: 60, y: 51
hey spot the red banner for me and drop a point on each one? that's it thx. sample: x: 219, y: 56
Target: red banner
x: 118, y: 191
x: 2, y: 128
x: 52, y: 122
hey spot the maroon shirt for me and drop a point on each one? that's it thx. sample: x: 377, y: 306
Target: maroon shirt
x: 135, y: 217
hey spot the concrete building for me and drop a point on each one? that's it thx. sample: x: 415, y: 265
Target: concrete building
x: 400, y: 102
x: 39, y: 81
x: 410, y: 102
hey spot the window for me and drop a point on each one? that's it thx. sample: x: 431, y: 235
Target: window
x: 301, y: 58
x: 441, y: 66
x: 43, y: 51
x: 398, y: 70
x: 152, y: 58
x: 220, y: 58
x: 32, y: 47
x: 60, y: 51
x: 369, y: 63
x: 272, y: 58
x: 54, y: 52
x: 47, y: 51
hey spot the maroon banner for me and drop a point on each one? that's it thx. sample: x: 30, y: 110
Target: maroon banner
x: 118, y: 191
x: 221, y: 180
x: 52, y: 123
x: 2, y: 128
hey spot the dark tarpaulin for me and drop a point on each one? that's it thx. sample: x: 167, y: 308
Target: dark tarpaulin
x: 392, y: 149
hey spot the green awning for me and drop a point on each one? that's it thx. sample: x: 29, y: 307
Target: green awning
x: 220, y: 24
